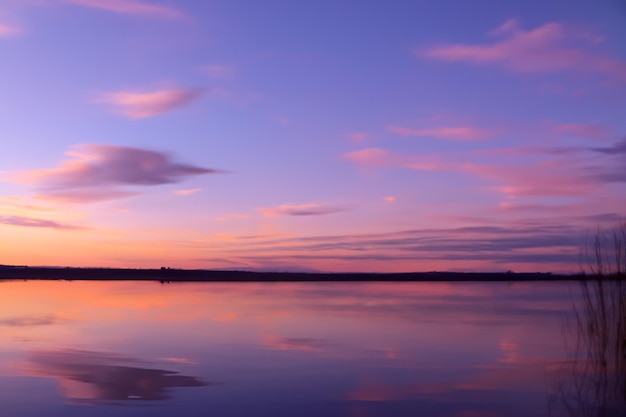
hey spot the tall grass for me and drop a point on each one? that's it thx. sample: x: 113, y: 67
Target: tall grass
x: 592, y: 382
x: 604, y: 253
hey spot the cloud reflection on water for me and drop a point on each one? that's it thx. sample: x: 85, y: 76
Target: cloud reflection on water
x: 97, y: 376
x: 44, y: 320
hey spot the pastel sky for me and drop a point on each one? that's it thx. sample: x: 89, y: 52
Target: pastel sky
x: 328, y: 135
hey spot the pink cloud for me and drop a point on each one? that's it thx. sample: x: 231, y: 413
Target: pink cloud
x: 103, y: 172
x: 552, y: 47
x: 381, y: 158
x: 511, y: 151
x: 130, y: 7
x: 22, y: 203
x: 232, y: 216
x: 185, y: 193
x: 545, y: 179
x: 549, y: 178
x: 371, y: 157
x: 462, y: 133
x: 586, y: 131
x: 136, y: 105
x: 299, y: 210
x: 9, y: 30
x: 185, y: 361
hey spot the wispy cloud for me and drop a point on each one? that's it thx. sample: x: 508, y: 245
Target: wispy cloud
x: 139, y: 105
x: 35, y: 222
x: 382, y: 158
x: 461, y: 133
x: 185, y: 193
x: 585, y: 130
x: 532, y: 242
x: 9, y: 30
x: 612, y: 170
x: 553, y: 47
x: 573, y: 171
x: 372, y: 157
x: 28, y: 321
x: 22, y: 203
x: 551, y: 172
x: 551, y: 178
x: 618, y: 148
x: 232, y: 216
x: 133, y: 7
x: 299, y: 210
x: 100, y: 172
x: 185, y: 361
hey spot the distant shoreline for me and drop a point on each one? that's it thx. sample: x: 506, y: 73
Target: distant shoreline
x: 201, y: 275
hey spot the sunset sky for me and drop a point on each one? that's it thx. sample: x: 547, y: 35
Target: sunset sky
x: 327, y: 135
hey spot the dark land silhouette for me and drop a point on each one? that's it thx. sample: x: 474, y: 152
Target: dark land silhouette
x: 184, y: 275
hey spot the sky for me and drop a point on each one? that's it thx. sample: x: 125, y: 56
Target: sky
x: 312, y: 135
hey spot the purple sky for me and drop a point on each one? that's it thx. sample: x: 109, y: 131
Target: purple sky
x: 310, y: 135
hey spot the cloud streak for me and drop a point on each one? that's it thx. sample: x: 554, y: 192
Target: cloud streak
x: 461, y: 133
x: 618, y: 148
x: 586, y: 131
x: 552, y: 47
x: 533, y: 242
x: 132, y: 7
x: 552, y: 172
x: 554, y: 178
x: 185, y: 193
x: 299, y: 210
x: 382, y: 158
x: 612, y: 170
x: 29, y: 321
x: 34, y: 222
x: 136, y: 105
x: 232, y: 216
x: 100, y: 172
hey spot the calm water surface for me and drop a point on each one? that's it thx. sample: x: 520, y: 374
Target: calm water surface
x: 292, y: 349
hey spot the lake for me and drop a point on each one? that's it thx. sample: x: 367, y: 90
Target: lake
x: 310, y: 349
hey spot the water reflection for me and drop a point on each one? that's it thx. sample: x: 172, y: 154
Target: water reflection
x: 349, y: 349
x: 592, y: 383
x: 88, y: 375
